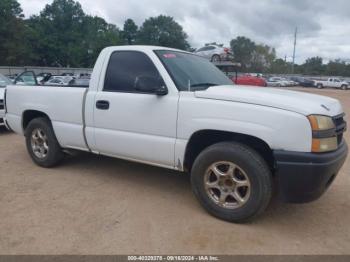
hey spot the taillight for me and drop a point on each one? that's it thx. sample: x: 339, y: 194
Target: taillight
x: 226, y: 50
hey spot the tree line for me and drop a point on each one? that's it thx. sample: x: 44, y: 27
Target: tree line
x: 63, y: 35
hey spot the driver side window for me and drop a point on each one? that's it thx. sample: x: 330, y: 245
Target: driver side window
x: 126, y: 68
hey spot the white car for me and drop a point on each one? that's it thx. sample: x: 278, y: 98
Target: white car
x: 173, y: 109
x: 215, y: 53
x: 4, y: 81
x: 333, y: 83
x: 277, y: 82
x: 59, y: 81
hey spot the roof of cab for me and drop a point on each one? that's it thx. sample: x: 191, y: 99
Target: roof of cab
x: 142, y: 48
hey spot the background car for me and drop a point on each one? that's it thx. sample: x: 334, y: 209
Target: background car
x: 4, y: 81
x: 215, y: 53
x: 42, y: 76
x: 79, y: 82
x: 67, y: 74
x: 277, y: 82
x: 58, y: 81
x: 249, y: 80
x: 302, y: 81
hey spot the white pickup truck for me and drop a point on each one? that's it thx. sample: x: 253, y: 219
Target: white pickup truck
x: 173, y: 109
x: 333, y: 83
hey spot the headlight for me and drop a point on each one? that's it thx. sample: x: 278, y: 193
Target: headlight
x: 319, y: 123
x: 324, y: 137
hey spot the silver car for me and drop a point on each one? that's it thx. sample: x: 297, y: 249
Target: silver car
x: 215, y: 53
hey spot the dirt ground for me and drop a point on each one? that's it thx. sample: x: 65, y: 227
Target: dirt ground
x: 99, y: 205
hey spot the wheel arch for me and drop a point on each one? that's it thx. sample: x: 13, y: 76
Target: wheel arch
x: 202, y: 139
x: 29, y: 115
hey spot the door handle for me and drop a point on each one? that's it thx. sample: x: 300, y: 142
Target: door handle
x: 102, y: 104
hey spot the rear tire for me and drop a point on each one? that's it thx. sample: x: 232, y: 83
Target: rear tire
x: 319, y: 86
x: 215, y: 58
x: 42, y: 144
x: 344, y: 87
x: 249, y: 169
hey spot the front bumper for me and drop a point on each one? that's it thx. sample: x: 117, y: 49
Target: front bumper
x: 304, y: 177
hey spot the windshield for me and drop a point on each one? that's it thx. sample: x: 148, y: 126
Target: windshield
x: 4, y: 81
x: 191, y: 72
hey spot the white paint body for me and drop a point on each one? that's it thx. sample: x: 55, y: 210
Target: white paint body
x: 2, y: 111
x: 156, y: 129
x: 332, y: 82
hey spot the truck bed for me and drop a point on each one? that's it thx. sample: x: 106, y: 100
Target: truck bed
x: 63, y: 105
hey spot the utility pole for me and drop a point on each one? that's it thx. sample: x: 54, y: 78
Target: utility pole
x: 295, y: 44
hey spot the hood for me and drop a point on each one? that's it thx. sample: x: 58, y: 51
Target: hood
x: 299, y: 102
x: 2, y: 91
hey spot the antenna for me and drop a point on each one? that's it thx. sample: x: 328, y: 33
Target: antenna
x: 295, y: 44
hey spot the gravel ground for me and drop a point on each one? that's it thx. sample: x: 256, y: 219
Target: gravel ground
x: 99, y: 205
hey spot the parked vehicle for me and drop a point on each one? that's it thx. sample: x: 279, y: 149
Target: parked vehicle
x: 12, y: 77
x: 215, y: 53
x: 59, y: 81
x: 290, y: 82
x: 169, y: 108
x: 81, y: 82
x: 333, y: 83
x: 42, y: 77
x: 26, y: 79
x: 249, y: 80
x: 67, y: 74
x: 84, y: 75
x: 277, y: 82
x: 4, y: 81
x: 304, y: 82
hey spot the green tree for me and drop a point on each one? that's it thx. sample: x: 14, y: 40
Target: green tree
x: 162, y: 31
x: 337, y: 68
x: 97, y: 34
x: 129, y: 33
x: 279, y: 66
x: 313, y: 66
x: 243, y: 49
x: 12, y: 33
x: 67, y: 37
x: 262, y: 58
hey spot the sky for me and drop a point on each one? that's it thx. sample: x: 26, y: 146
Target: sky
x: 323, y: 25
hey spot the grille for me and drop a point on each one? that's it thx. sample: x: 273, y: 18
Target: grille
x: 340, y: 127
x: 1, y: 104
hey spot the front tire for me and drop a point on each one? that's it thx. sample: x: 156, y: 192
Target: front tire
x: 42, y: 144
x: 232, y: 182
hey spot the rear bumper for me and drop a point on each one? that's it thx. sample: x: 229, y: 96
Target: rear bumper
x: 2, y: 117
x: 304, y: 177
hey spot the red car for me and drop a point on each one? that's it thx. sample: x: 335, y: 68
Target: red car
x: 249, y: 81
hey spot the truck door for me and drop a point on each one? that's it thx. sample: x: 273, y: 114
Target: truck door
x: 134, y: 118
x: 336, y: 83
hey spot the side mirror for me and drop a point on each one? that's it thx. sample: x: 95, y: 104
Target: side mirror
x: 148, y: 84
